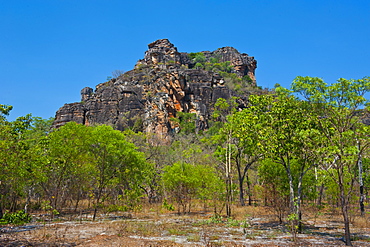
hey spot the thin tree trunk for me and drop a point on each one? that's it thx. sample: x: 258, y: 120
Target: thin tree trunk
x: 97, y: 202
x: 291, y: 193
x: 241, y: 191
x: 347, y: 232
x: 241, y: 176
x: 299, y: 202
x: 77, y: 200
x: 292, y: 207
x: 96, y: 207
x: 228, y: 180
x: 344, y: 206
x: 27, y: 201
x: 361, y: 182
x: 249, y: 190
x: 321, y: 193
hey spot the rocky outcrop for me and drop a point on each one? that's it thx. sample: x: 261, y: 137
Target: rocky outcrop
x: 162, y: 84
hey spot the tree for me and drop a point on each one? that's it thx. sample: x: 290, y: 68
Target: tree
x: 345, y: 136
x: 224, y: 148
x: 66, y: 166
x: 243, y: 130
x: 275, y: 187
x: 185, y: 182
x: 285, y: 132
x: 117, y: 163
x: 14, y: 158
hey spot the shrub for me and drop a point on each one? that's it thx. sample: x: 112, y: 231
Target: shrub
x: 17, y: 218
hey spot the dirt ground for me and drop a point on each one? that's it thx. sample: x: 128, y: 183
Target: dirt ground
x: 252, y: 226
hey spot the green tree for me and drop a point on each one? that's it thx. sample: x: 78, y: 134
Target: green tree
x: 184, y: 182
x: 117, y: 163
x: 197, y: 57
x: 286, y: 134
x: 275, y: 184
x: 242, y: 131
x: 344, y: 135
x: 224, y: 148
x: 14, y: 158
x: 66, y: 166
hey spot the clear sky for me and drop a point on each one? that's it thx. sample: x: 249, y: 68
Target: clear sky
x: 51, y: 49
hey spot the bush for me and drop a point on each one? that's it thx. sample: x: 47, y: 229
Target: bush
x: 17, y: 218
x: 168, y: 206
x: 116, y: 208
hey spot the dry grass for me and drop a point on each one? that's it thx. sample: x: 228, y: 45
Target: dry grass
x: 153, y: 223
x: 362, y: 221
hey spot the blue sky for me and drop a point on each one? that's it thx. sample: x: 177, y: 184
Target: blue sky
x: 51, y: 49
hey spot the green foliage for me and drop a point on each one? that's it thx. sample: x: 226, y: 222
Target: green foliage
x: 4, y: 111
x: 343, y: 93
x: 215, y: 219
x: 221, y: 68
x: 344, y: 136
x: 199, y: 66
x: 116, y: 208
x: 116, y: 163
x: 16, y: 155
x: 17, y: 218
x: 187, y: 122
x: 213, y: 60
x: 185, y: 182
x: 240, y: 85
x: 67, y: 162
x: 167, y: 206
x: 197, y: 57
x: 226, y: 70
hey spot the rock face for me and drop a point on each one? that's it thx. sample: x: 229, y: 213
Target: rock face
x: 162, y: 84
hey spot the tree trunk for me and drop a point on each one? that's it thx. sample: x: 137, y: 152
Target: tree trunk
x: 228, y: 180
x: 321, y: 193
x: 241, y: 177
x: 249, y: 190
x: 27, y: 201
x: 291, y: 193
x: 344, y: 205
x: 361, y: 182
x: 347, y: 233
x: 292, y: 205
x: 77, y: 200
x: 241, y: 191
x: 228, y: 197
x: 95, y: 208
x: 97, y: 202
x: 299, y: 202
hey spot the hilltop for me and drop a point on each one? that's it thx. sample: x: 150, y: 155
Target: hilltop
x: 162, y: 84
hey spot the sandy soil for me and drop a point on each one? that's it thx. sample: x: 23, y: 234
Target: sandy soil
x: 153, y: 229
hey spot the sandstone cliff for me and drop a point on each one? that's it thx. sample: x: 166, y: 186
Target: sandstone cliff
x: 162, y: 84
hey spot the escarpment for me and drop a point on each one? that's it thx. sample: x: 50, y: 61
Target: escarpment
x: 162, y: 84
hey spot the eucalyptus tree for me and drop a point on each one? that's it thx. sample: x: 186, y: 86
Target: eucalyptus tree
x: 34, y: 136
x: 345, y: 136
x: 66, y: 165
x: 4, y: 128
x: 241, y: 129
x: 116, y: 164
x: 223, y: 140
x: 14, y: 158
x: 185, y: 182
x: 285, y: 133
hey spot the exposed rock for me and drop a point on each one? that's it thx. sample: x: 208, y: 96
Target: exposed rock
x: 162, y: 84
